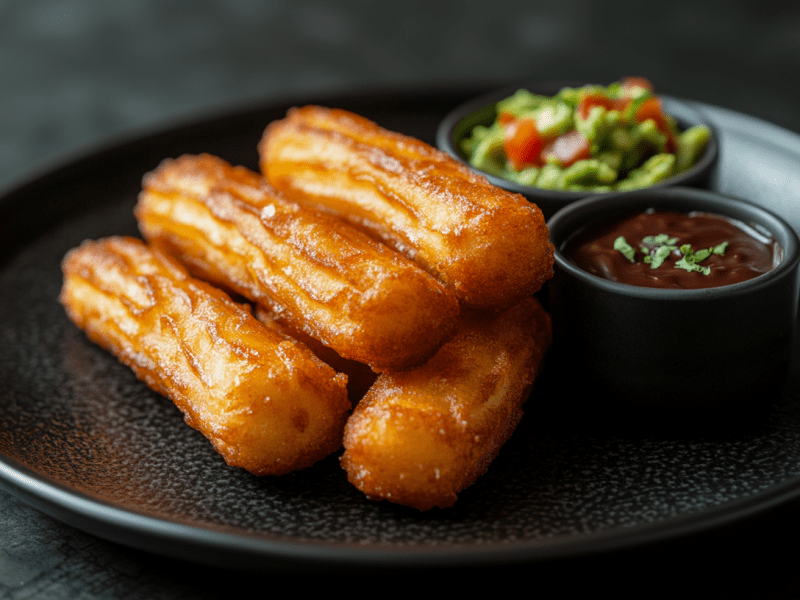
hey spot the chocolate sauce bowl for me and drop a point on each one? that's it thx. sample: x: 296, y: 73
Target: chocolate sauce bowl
x: 663, y: 355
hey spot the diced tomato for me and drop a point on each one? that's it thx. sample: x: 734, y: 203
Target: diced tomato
x: 568, y: 148
x: 651, y: 109
x: 505, y: 118
x: 522, y: 143
x: 629, y: 83
x: 589, y: 101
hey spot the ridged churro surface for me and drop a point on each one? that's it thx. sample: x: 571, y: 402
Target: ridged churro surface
x: 266, y: 403
x: 420, y: 437
x: 490, y: 246
x: 313, y: 271
x: 359, y: 376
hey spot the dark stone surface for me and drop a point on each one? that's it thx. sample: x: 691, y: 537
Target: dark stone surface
x: 83, y: 74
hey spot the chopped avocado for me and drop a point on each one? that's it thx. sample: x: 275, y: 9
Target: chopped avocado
x: 624, y: 139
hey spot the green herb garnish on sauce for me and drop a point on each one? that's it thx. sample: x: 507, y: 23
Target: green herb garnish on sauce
x: 627, y: 250
x: 657, y: 258
x: 657, y: 248
x: 720, y: 249
x: 658, y: 240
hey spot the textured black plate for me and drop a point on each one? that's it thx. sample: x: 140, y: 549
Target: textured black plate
x: 83, y: 440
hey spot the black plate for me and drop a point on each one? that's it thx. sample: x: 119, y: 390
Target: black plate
x: 84, y: 441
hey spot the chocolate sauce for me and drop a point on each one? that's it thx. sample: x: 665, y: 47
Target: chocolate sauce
x: 750, y: 251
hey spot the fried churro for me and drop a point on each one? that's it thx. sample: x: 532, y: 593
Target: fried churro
x: 265, y: 402
x: 420, y: 437
x: 488, y: 245
x: 313, y: 271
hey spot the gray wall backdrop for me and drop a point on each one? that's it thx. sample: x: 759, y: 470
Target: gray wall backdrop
x: 81, y: 73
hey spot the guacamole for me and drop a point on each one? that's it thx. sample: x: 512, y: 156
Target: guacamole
x: 592, y: 138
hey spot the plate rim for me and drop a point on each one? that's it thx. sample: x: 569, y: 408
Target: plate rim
x: 202, y: 544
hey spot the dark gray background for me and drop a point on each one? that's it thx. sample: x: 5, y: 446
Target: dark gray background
x: 79, y: 75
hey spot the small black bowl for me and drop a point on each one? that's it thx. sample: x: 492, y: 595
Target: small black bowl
x: 667, y: 356
x: 481, y: 111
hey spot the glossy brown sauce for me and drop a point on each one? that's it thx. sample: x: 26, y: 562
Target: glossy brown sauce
x: 750, y: 252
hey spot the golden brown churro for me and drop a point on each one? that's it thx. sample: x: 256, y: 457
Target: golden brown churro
x: 359, y: 376
x: 266, y: 403
x: 490, y: 246
x: 313, y: 271
x: 420, y: 437
x: 462, y: 258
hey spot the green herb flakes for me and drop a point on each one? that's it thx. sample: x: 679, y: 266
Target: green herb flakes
x: 657, y: 248
x: 691, y: 258
x: 689, y: 265
x: 658, y: 240
x: 657, y: 258
x: 627, y: 250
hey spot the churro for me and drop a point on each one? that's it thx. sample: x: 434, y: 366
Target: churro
x: 314, y: 272
x: 420, y: 437
x: 491, y: 247
x: 265, y: 402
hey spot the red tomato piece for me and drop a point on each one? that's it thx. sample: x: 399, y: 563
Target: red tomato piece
x: 651, y: 109
x: 522, y: 143
x: 505, y: 118
x: 628, y: 83
x: 568, y: 148
x: 589, y: 101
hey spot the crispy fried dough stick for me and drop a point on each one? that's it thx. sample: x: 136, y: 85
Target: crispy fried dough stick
x: 266, y: 403
x: 488, y: 245
x: 420, y: 437
x: 359, y: 376
x: 314, y: 272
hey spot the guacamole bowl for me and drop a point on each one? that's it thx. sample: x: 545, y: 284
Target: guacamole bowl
x: 687, y: 355
x: 458, y: 125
